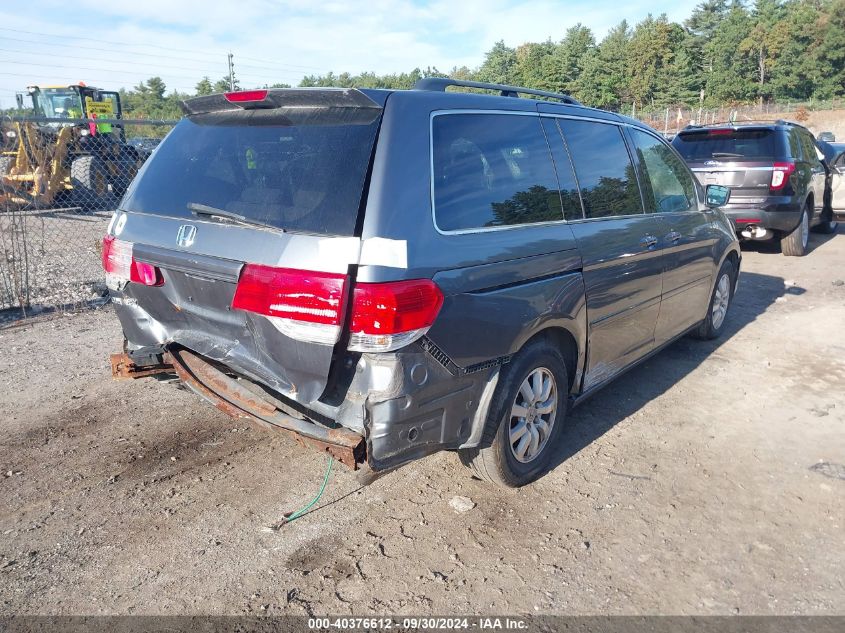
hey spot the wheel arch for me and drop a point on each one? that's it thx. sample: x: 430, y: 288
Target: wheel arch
x: 561, y: 337
x: 734, y: 255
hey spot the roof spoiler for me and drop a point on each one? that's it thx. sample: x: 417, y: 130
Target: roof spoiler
x: 300, y: 105
x: 743, y: 123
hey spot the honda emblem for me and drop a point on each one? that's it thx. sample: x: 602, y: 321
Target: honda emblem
x: 186, y: 234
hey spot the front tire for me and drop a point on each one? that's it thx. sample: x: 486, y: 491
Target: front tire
x: 720, y: 302
x: 89, y: 177
x: 795, y: 244
x: 525, y: 420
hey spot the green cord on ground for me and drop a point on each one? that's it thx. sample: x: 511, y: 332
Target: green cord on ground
x: 295, y: 515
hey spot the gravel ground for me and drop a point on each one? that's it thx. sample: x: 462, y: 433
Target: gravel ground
x: 710, y: 480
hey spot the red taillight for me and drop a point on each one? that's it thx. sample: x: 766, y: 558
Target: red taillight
x: 387, y: 316
x: 305, y: 305
x: 309, y: 306
x: 146, y: 274
x: 119, y: 263
x: 117, y: 257
x: 780, y: 175
x: 720, y: 132
x: 245, y: 96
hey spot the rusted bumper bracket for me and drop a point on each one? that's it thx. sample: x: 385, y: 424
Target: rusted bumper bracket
x: 230, y: 397
x: 123, y: 367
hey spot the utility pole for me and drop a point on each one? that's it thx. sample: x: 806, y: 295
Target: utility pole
x: 231, y: 73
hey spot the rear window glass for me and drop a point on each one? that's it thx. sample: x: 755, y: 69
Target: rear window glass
x: 301, y: 178
x: 492, y: 170
x: 719, y: 143
x: 604, y: 169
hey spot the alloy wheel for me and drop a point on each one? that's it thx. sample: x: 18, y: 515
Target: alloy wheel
x: 721, y: 300
x: 805, y: 229
x: 533, y: 415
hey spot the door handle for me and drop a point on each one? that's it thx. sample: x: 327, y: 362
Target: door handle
x: 648, y: 241
x: 674, y: 237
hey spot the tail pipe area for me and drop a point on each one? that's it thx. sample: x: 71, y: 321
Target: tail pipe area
x: 229, y: 396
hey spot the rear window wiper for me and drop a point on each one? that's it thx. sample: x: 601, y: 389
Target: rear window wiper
x: 725, y: 155
x: 213, y: 212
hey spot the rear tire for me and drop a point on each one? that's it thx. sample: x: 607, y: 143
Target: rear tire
x: 516, y: 449
x: 795, y: 244
x: 89, y: 177
x: 720, y: 302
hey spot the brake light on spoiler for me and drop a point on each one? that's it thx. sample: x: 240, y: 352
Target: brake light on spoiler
x: 120, y: 264
x: 310, y: 306
x: 246, y: 96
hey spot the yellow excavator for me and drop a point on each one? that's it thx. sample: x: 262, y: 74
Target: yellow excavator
x: 58, y: 158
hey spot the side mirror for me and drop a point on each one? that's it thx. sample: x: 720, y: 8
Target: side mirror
x: 716, y: 196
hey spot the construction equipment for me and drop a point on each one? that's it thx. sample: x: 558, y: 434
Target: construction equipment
x: 63, y: 156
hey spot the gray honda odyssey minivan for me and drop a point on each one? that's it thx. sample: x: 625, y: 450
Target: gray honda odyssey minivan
x: 389, y: 273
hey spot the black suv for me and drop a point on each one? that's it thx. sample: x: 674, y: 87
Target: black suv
x: 387, y: 274
x: 775, y: 173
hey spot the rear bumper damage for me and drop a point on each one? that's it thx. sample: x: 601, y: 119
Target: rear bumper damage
x: 229, y: 396
x: 396, y: 408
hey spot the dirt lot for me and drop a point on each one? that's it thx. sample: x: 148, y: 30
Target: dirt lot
x: 822, y: 121
x: 708, y: 480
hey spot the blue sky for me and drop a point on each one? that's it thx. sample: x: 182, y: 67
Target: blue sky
x: 276, y: 40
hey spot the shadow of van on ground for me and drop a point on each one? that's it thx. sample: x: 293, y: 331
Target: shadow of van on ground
x: 633, y: 390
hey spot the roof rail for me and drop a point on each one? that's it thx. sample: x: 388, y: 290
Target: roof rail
x: 440, y: 84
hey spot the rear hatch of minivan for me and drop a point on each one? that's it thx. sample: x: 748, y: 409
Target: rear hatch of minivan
x: 237, y: 239
x: 742, y: 158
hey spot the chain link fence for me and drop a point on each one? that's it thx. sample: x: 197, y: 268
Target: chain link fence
x: 60, y: 181
x: 61, y: 178
x: 670, y: 120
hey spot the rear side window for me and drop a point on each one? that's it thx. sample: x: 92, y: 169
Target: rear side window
x: 492, y: 170
x: 671, y: 185
x: 809, y: 146
x: 605, y: 173
x: 571, y: 199
x: 301, y: 178
x: 726, y: 144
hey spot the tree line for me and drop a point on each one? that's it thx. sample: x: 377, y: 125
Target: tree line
x: 724, y: 53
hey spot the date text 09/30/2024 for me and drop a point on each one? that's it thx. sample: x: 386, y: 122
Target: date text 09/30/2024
x: 422, y: 623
